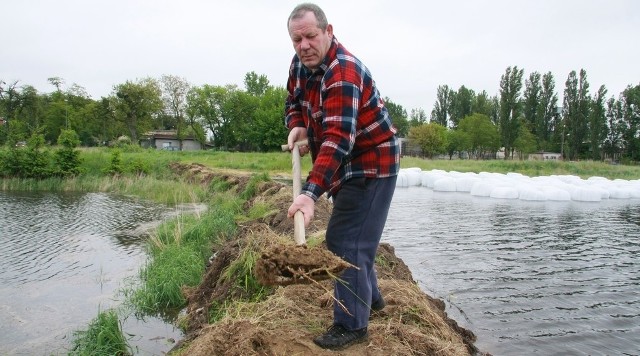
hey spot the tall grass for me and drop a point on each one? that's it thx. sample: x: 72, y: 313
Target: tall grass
x: 164, y: 276
x: 179, y: 250
x: 103, y: 337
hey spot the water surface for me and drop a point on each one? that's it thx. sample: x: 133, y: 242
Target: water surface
x: 550, y: 278
x: 63, y: 258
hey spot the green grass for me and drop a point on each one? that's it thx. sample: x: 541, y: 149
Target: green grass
x: 246, y: 161
x: 163, y: 277
x: 179, y: 250
x: 103, y: 337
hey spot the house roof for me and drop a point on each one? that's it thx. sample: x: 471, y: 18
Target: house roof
x: 166, y: 134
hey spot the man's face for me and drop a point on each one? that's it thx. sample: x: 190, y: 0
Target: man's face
x: 310, y: 42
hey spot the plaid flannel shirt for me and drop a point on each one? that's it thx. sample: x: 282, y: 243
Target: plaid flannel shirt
x: 349, y: 129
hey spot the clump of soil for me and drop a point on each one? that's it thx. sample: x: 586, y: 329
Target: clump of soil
x: 285, y: 322
x: 288, y: 264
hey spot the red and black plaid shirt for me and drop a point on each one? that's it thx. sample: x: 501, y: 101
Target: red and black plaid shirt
x: 349, y: 129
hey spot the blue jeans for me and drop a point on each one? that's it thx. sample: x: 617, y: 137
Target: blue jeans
x: 360, y: 211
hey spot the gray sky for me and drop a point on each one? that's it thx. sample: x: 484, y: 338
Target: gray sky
x: 411, y: 47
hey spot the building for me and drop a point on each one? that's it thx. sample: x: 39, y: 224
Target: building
x: 545, y: 156
x: 168, y: 140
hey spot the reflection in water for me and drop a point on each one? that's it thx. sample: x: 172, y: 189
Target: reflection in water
x: 63, y: 258
x: 526, y: 277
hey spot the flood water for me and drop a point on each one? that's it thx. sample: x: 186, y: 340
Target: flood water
x: 548, y: 278
x: 63, y: 259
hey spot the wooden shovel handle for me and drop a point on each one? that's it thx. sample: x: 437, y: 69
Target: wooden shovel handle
x: 298, y: 217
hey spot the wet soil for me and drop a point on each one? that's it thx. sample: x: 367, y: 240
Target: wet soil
x: 224, y: 317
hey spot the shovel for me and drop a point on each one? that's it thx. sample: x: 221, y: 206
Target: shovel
x: 293, y: 264
x: 298, y: 218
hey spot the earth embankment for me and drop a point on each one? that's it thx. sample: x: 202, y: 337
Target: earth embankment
x: 285, y: 320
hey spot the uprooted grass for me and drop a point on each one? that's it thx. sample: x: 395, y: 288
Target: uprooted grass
x: 286, y: 322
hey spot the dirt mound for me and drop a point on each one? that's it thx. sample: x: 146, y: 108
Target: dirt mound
x: 285, y: 320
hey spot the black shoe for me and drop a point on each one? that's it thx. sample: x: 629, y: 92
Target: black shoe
x: 378, y: 304
x: 338, y: 338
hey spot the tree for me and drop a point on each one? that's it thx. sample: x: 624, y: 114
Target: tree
x: 9, y: 103
x: 30, y: 110
x: 544, y: 122
x: 238, y: 111
x: 205, y: 104
x: 457, y: 141
x: 482, y: 104
x: 56, y: 82
x: 417, y: 117
x: 255, y: 84
x: 398, y: 116
x: 525, y: 143
x: 482, y: 134
x: 531, y: 105
x: 461, y: 104
x: 584, y: 107
x: 431, y: 138
x: 442, y: 108
x: 67, y: 158
x: 613, y: 142
x: 575, y: 113
x: 510, y: 107
x: 268, y: 131
x: 174, y: 96
x: 630, y: 105
x: 598, y: 124
x: 136, y: 104
x: 80, y: 115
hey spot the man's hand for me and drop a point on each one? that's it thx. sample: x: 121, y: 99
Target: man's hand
x: 304, y: 204
x: 298, y: 134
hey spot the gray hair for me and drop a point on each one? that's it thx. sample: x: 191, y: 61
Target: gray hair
x: 302, y: 9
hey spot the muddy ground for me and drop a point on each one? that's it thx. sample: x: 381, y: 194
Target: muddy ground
x: 285, y: 322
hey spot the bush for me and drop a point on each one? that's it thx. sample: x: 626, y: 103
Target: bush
x: 27, y: 162
x: 115, y: 165
x: 67, y: 159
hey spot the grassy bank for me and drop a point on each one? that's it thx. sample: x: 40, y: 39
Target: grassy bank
x: 146, y: 173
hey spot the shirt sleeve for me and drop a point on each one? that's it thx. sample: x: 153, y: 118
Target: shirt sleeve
x: 293, y: 114
x: 341, y: 100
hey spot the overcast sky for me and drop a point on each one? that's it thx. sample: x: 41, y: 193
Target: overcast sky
x: 410, y: 46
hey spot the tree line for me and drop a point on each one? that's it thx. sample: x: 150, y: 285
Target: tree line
x: 225, y: 117
x: 529, y: 118
x: 525, y: 116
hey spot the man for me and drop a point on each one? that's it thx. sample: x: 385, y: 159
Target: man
x: 334, y: 103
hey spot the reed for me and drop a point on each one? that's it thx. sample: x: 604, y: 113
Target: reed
x: 179, y: 250
x: 163, y: 277
x: 103, y: 337
x: 169, y: 192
